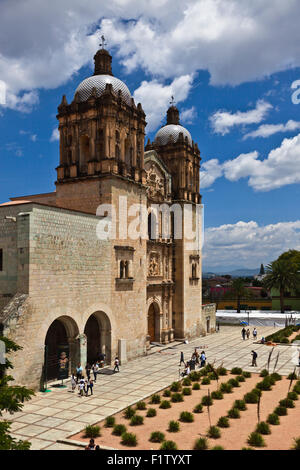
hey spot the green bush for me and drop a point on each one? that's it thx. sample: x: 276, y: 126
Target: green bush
x: 92, y: 431
x: 240, y: 405
x: 157, y: 436
x: 222, y: 371
x: 167, y: 393
x: 174, y: 426
x: 246, y: 374
x: 276, y: 376
x: 151, y: 412
x: 287, y: 403
x: 292, y: 376
x: 234, y: 413
x: 206, y: 400
x: 177, y: 397
x: 165, y: 404
x: 292, y: 395
x: 281, y: 411
x: 129, y: 412
x: 175, y: 387
x: 109, y: 422
x: 196, y: 386
x: 236, y: 371
x: 233, y: 382
x: 186, y: 382
x: 168, y: 445
x: 217, y: 395
x: 264, y: 385
x: 155, y: 399
x: 257, y: 392
x: 296, y: 445
x: 296, y: 389
x: 198, y: 408
x: 136, y: 420
x: 205, y: 381
x: 186, y: 391
x: 213, y: 376
x: 256, y: 440
x: 217, y: 448
x: 226, y: 388
x: 186, y: 417
x: 264, y: 373
x: 214, y: 432
x: 201, y: 444
x: 119, y: 429
x: 263, y: 428
x: 273, y: 418
x: 129, y: 439
x: 194, y: 376
x: 240, y: 378
x: 223, y: 422
x: 141, y: 405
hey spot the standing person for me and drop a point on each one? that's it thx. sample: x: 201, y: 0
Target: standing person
x: 202, y: 359
x: 181, y: 359
x: 88, y: 371
x: 196, y: 354
x: 81, y: 387
x: 73, y: 383
x: 248, y: 333
x: 244, y: 333
x: 117, y: 362
x: 78, y: 373
x: 254, y: 357
x: 95, y: 369
x: 254, y: 333
x: 89, y: 386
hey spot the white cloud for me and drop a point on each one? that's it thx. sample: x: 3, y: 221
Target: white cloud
x: 266, y: 130
x: 55, y: 135
x: 44, y: 43
x: 247, y: 244
x: 188, y: 116
x: 280, y: 168
x: 223, y: 121
x: 155, y: 97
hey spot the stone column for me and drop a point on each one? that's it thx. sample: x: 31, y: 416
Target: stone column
x: 82, y: 349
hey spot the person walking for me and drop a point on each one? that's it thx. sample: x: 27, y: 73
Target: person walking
x: 81, y: 387
x: 254, y: 333
x: 88, y: 371
x: 89, y: 386
x: 73, y: 383
x: 202, y: 359
x: 78, y: 373
x: 117, y: 362
x: 181, y: 359
x: 248, y: 333
x: 254, y: 357
x: 95, y: 369
x: 244, y: 333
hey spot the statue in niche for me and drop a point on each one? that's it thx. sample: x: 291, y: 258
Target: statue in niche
x: 153, y: 269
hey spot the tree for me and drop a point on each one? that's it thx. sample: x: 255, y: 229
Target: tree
x: 262, y: 270
x: 283, y: 275
x: 11, y: 400
x: 239, y: 291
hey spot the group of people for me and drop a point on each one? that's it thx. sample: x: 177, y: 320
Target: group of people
x: 86, y: 384
x: 197, y: 358
x: 246, y: 333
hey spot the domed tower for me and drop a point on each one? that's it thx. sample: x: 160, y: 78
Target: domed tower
x: 175, y: 146
x: 101, y: 133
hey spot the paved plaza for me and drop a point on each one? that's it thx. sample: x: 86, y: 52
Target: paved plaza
x: 54, y: 416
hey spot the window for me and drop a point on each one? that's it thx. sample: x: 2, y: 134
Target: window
x: 1, y: 259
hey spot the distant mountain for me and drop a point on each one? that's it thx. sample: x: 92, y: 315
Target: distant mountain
x: 241, y: 272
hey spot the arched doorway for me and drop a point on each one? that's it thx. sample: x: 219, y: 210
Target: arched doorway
x: 98, y: 334
x: 60, y: 336
x: 154, y: 322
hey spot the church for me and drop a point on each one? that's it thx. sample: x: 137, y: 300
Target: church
x: 64, y: 287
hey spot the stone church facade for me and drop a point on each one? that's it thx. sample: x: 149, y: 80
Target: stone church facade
x: 60, y: 283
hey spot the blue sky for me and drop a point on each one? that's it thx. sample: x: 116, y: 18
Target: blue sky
x: 249, y: 182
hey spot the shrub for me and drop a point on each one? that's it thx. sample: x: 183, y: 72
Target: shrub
x: 175, y: 387
x: 119, y: 429
x: 296, y: 445
x: 222, y: 371
x: 165, y: 404
x: 109, y: 422
x: 276, y: 376
x: 264, y: 385
x: 223, y: 422
x: 136, y: 420
x: 186, y: 382
x: 263, y: 428
x: 247, y: 448
x: 292, y: 395
x: 214, y: 432
x: 292, y: 376
x: 167, y: 393
x: 257, y: 392
x: 233, y: 382
x: 240, y: 378
x: 297, y: 389
x: 174, y: 426
x: 129, y: 439
x: 251, y: 397
x: 186, y: 417
x: 155, y: 399
x: 256, y: 440
x: 281, y: 411
x: 226, y: 388
x: 186, y: 391
x: 264, y: 373
x: 201, y: 444
x: 213, y: 376
x: 284, y: 340
x: 196, y: 386
x: 240, y: 405
x: 129, y: 412
x: 157, y: 436
x: 168, y: 445
x: 206, y: 400
x: 217, y: 394
x: 151, y: 412
x: 217, y: 448
x: 205, y: 381
x: 194, y: 376
x: 246, y: 374
x: 198, y: 408
x: 287, y: 403
x: 141, y: 405
x: 234, y: 413
x: 92, y: 431
x: 236, y: 371
x: 273, y: 418
x: 177, y: 397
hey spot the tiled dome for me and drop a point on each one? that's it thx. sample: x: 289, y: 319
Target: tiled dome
x: 99, y: 82
x: 171, y: 131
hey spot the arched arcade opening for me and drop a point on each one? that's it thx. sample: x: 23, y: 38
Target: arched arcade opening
x: 98, y: 334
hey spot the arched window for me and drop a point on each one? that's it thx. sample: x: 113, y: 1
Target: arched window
x: 122, y: 269
x: 152, y: 226
x: 84, y: 151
